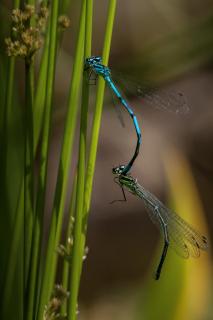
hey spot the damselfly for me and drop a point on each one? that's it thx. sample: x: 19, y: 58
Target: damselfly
x: 176, y: 231
x: 95, y: 65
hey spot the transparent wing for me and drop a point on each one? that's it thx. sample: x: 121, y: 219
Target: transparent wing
x: 161, y: 99
x: 184, y: 239
x: 150, y: 95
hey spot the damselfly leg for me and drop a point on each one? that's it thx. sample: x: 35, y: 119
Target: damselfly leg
x: 123, y: 192
x: 91, y: 77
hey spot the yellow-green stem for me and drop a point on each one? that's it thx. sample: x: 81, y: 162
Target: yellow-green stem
x: 77, y: 254
x: 17, y: 243
x: 29, y: 167
x: 97, y: 121
x: 46, y: 285
x: 69, y: 237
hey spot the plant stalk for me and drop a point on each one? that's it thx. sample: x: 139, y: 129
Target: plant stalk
x: 45, y: 285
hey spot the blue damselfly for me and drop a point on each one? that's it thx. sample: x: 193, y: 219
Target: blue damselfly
x: 158, y: 98
x: 95, y: 65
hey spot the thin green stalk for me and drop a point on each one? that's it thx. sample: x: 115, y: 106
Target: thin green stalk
x: 45, y: 144
x: 29, y: 167
x: 98, y: 108
x: 8, y: 111
x: 31, y: 2
x: 32, y: 299
x: 40, y: 94
x: 9, y: 87
x: 29, y: 158
x: 4, y: 167
x: 88, y: 31
x: 13, y: 257
x: 16, y: 4
x: 69, y: 238
x: 76, y: 250
x: 85, y: 102
x: 97, y: 121
x: 41, y: 115
x: 20, y: 276
x: 7, y: 117
x: 65, y: 6
x: 77, y: 255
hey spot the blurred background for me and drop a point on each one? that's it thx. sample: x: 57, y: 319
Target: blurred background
x: 170, y: 44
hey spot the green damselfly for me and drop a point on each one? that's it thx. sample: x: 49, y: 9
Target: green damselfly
x: 176, y: 232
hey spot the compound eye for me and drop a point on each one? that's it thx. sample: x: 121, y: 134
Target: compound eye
x: 118, y: 170
x: 88, y: 61
x: 114, y: 170
x: 98, y: 59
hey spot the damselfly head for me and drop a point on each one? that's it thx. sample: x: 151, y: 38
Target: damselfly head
x: 93, y: 60
x: 118, y: 170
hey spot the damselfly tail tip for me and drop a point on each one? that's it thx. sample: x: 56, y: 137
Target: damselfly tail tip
x: 157, y: 276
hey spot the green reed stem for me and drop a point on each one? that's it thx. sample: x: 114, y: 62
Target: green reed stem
x: 77, y: 255
x: 69, y: 242
x: 97, y: 120
x: 40, y: 94
x: 4, y: 168
x: 29, y: 159
x: 41, y: 116
x: 7, y: 117
x: 65, y: 5
x: 13, y: 257
x: 45, y: 291
x: 29, y: 168
x: 99, y: 107
x: 85, y: 102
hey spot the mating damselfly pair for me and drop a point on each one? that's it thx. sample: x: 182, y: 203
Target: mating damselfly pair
x: 176, y: 231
